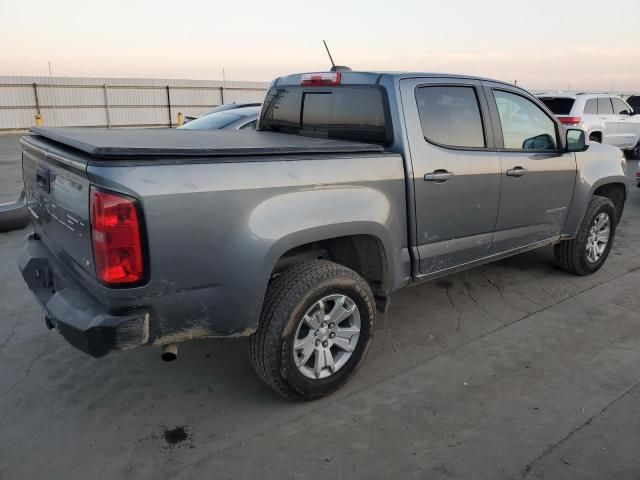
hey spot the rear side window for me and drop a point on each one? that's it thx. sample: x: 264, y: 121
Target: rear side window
x: 558, y: 105
x: 604, y: 106
x: 450, y: 116
x: 524, y: 125
x: 356, y: 113
x: 591, y: 107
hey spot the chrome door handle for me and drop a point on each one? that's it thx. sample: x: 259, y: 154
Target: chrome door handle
x: 439, y: 176
x: 517, y: 172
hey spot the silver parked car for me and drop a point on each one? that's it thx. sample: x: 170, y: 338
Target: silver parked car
x: 604, y: 117
x: 245, y: 118
x: 220, y: 108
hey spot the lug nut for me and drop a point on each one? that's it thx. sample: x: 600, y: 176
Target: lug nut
x: 325, y: 344
x: 332, y: 335
x: 317, y: 343
x: 331, y: 325
x: 324, y: 325
x: 316, y: 333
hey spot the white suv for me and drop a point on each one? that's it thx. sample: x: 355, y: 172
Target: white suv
x: 605, y: 118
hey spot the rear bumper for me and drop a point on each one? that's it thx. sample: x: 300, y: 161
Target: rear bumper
x: 14, y: 215
x: 81, y: 319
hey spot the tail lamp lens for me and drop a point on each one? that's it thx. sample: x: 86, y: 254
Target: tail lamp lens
x: 570, y: 120
x: 115, y: 236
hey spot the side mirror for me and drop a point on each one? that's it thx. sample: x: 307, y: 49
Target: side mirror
x: 544, y: 141
x: 576, y: 140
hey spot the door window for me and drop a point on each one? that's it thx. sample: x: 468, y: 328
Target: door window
x: 524, y: 125
x: 249, y: 126
x: 619, y: 107
x: 450, y: 116
x: 604, y: 106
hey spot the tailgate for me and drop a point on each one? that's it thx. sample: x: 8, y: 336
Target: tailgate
x: 57, y: 190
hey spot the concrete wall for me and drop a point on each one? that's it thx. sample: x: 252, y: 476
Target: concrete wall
x: 115, y: 102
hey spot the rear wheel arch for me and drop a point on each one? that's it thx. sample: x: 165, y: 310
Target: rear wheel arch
x: 595, y: 136
x: 365, y: 254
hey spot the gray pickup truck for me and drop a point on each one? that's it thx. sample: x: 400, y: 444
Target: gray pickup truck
x: 356, y: 184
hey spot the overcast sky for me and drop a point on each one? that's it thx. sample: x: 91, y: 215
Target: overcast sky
x: 545, y: 44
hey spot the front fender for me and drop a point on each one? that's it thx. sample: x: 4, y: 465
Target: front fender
x: 597, y: 166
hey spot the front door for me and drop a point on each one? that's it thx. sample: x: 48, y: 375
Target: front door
x: 628, y: 125
x: 538, y: 177
x: 456, y: 172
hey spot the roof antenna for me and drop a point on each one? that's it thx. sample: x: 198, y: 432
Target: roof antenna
x: 334, y: 67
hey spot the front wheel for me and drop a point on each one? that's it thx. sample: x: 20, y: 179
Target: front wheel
x: 315, y: 330
x: 588, y: 251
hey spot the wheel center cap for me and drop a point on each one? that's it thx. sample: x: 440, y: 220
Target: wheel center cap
x: 323, y: 334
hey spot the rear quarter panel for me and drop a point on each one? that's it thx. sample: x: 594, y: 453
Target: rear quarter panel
x: 215, y: 231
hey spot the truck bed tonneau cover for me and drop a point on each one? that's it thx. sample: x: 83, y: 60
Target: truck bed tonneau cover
x: 212, y: 143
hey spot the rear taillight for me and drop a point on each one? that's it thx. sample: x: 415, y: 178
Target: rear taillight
x: 320, y: 79
x: 570, y: 120
x: 116, y: 238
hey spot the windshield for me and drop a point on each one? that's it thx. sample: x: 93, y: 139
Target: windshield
x: 214, y: 121
x: 558, y: 105
x: 345, y: 112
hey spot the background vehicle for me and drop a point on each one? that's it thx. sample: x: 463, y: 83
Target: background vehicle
x: 605, y: 118
x: 14, y: 215
x: 235, y: 119
x: 356, y: 184
x: 634, y: 102
x: 221, y: 108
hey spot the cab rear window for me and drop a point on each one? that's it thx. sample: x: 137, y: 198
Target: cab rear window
x: 357, y: 113
x: 559, y: 106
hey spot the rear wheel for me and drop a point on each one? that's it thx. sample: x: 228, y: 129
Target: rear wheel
x: 315, y: 330
x: 588, y: 251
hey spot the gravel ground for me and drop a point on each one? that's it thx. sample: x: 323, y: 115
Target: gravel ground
x: 511, y: 370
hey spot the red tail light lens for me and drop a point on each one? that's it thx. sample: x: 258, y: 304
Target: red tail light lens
x: 115, y: 236
x: 570, y: 120
x: 320, y: 79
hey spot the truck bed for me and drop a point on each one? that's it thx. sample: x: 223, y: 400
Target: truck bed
x: 120, y: 143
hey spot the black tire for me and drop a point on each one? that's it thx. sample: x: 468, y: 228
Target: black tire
x: 634, y: 154
x: 288, y: 297
x: 571, y: 255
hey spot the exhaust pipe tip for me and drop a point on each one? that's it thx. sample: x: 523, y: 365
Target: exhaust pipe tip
x: 169, y: 352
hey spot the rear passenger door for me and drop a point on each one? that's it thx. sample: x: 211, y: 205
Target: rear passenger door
x: 456, y: 171
x: 538, y: 177
x: 609, y: 121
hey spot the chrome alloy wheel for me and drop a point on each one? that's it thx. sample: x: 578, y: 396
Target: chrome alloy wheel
x: 598, y: 238
x: 326, y: 336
